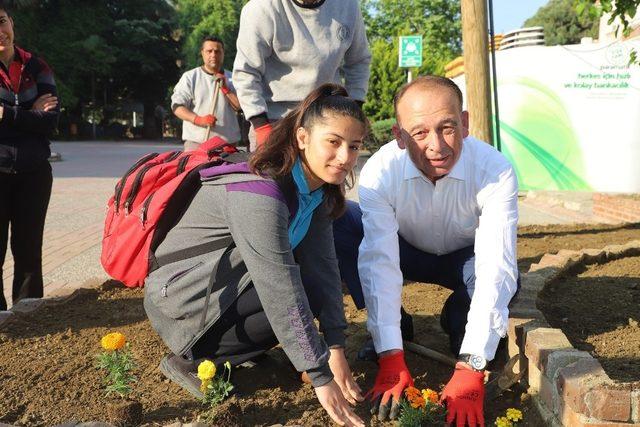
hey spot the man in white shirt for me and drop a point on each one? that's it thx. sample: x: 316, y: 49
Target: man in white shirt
x: 437, y: 206
x: 193, y: 96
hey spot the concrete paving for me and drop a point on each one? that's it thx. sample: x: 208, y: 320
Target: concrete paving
x: 85, y: 178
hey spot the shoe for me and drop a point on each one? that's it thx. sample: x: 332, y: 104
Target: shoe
x: 406, y: 325
x: 182, y: 372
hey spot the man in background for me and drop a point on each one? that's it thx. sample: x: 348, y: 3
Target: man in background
x: 193, y: 98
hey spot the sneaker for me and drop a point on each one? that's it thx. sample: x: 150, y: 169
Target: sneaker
x: 182, y: 372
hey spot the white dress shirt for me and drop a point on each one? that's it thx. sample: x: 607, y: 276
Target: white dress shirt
x: 476, y: 202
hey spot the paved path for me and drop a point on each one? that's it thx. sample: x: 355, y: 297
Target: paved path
x: 86, y: 176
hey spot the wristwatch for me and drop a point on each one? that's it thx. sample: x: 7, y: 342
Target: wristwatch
x: 477, y: 363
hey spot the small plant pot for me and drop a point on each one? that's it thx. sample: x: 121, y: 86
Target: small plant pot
x: 125, y: 413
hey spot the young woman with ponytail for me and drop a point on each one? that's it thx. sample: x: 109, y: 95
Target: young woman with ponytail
x: 280, y: 272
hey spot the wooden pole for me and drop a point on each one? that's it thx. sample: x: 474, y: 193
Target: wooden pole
x: 476, y: 67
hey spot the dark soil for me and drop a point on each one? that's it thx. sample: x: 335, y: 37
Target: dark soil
x: 47, y: 373
x: 599, y: 311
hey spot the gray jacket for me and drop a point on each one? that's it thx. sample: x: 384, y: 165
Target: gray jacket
x: 258, y: 223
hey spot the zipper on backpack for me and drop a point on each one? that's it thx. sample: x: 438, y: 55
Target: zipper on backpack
x: 138, y: 180
x: 145, y: 208
x: 122, y: 182
x: 182, y: 165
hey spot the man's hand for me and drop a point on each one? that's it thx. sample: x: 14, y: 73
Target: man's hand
x: 343, y: 377
x: 204, y: 121
x: 464, y: 396
x: 393, y: 377
x: 262, y: 133
x: 46, y: 102
x: 332, y: 400
x: 222, y: 80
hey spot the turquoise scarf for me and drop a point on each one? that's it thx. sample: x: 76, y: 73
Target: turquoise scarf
x: 308, y: 201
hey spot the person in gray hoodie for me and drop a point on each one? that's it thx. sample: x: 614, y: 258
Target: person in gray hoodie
x: 287, y: 48
x: 271, y: 266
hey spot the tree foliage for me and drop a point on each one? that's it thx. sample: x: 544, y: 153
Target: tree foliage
x: 438, y: 21
x: 619, y: 9
x: 562, y: 24
x: 120, y: 49
x: 198, y: 18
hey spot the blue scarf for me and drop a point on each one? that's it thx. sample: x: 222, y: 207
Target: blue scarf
x: 308, y: 201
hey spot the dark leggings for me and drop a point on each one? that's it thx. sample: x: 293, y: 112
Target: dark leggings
x: 242, y: 332
x: 24, y: 198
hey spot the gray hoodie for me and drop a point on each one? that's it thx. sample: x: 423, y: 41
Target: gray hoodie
x: 253, y: 211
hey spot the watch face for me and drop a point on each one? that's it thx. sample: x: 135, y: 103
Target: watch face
x: 477, y: 362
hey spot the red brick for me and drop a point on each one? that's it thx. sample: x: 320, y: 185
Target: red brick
x: 575, y: 380
x: 542, y: 341
x: 608, y: 404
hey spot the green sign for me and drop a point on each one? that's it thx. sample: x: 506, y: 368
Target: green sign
x: 410, y: 52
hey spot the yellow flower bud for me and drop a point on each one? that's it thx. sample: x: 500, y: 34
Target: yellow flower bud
x: 206, y: 370
x: 113, y: 341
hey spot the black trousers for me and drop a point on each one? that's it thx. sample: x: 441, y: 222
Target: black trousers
x: 24, y: 199
x: 243, y: 331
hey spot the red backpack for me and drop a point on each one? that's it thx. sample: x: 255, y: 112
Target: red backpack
x: 148, y: 201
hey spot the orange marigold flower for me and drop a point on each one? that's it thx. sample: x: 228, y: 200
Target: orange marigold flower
x: 418, y: 402
x: 412, y: 393
x: 113, y: 341
x: 430, y: 395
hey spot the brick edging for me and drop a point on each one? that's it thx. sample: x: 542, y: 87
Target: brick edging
x: 569, y: 385
x: 616, y: 207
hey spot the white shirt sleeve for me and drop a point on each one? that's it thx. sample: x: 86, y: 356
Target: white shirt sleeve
x: 379, y: 265
x: 183, y: 93
x: 495, y: 266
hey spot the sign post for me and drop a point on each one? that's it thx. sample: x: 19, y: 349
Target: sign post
x: 410, y: 53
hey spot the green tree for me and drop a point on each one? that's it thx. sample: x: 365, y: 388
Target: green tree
x: 438, y: 21
x: 120, y: 49
x: 562, y: 24
x: 198, y: 18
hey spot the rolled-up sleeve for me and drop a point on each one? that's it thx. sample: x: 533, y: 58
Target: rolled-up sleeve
x: 182, y: 94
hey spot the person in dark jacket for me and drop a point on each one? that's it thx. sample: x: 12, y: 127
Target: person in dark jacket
x: 237, y: 301
x: 28, y: 115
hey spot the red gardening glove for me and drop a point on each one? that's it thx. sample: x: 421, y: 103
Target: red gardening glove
x: 204, y: 121
x: 262, y: 133
x: 223, y: 83
x: 393, y: 377
x: 464, y: 396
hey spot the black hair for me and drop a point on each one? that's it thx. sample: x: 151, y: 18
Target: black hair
x: 279, y: 153
x: 210, y: 38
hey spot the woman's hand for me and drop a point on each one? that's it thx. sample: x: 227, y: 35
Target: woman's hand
x: 332, y: 400
x: 46, y: 102
x: 343, y: 377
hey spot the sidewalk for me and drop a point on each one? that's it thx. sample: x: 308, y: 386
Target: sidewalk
x: 73, y: 230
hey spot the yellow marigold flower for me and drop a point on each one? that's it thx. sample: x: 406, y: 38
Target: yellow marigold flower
x: 418, y: 402
x: 514, y: 414
x: 113, y: 341
x: 503, y: 422
x: 206, y: 370
x: 430, y: 395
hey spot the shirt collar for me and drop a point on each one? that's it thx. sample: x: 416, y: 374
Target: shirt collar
x: 458, y: 172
